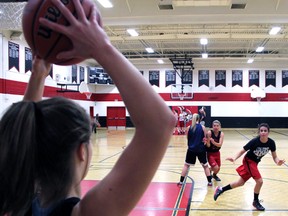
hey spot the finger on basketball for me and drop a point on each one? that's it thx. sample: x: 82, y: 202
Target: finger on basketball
x: 79, y: 10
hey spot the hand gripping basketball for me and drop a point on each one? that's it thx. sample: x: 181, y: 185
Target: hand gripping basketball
x: 43, y: 41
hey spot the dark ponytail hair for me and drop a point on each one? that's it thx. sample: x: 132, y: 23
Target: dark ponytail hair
x: 37, y: 142
x: 17, y: 158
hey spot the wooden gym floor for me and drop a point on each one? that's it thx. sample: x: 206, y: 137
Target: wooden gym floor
x: 164, y: 198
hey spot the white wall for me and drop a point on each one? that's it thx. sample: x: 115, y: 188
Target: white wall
x: 219, y: 108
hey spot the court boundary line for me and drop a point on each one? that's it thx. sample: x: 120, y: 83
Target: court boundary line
x: 179, y: 199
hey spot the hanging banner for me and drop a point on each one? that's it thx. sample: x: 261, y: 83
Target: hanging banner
x: 154, y: 78
x: 13, y: 53
x: 82, y: 73
x: 51, y: 72
x: 203, y: 76
x: 170, y: 77
x: 284, y: 78
x: 74, y: 73
x: 220, y: 78
x: 237, y: 77
x: 270, y: 78
x: 28, y: 59
x: 187, y: 77
x: 253, y: 77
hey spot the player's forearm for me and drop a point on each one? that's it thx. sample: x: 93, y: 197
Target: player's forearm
x: 35, y: 88
x: 239, y: 154
x: 145, y: 106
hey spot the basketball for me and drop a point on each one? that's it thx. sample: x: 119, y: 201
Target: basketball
x: 43, y: 41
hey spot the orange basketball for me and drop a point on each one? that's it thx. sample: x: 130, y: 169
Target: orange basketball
x: 43, y: 41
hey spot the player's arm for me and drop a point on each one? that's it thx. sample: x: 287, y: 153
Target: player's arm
x: 208, y: 138
x: 122, y: 188
x: 221, y: 139
x: 35, y: 86
x: 239, y: 154
x: 187, y: 132
x: 205, y: 134
x: 276, y: 159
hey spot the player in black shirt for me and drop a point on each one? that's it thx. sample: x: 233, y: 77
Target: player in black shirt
x: 256, y: 149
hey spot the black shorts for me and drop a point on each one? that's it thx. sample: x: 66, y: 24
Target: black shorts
x: 191, y: 157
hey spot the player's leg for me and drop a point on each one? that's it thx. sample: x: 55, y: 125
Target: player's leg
x: 219, y: 190
x: 190, y: 160
x: 202, y: 157
x: 216, y: 165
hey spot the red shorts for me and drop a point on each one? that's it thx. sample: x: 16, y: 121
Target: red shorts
x: 248, y: 169
x: 214, y: 158
x: 181, y: 123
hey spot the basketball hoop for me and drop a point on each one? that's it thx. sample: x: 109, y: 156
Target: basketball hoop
x: 88, y: 94
x: 181, y: 96
x: 181, y: 92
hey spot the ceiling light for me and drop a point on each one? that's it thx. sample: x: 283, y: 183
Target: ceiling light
x: 133, y: 32
x: 160, y: 61
x: 274, y: 30
x: 260, y: 49
x: 203, y: 41
x: 250, y: 61
x: 105, y: 3
x: 149, y: 50
x: 204, y: 55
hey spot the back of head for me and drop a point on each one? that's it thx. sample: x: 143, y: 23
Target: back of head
x: 195, y: 119
x: 36, y: 145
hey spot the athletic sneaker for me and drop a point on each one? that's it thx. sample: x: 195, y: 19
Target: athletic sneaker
x: 210, y: 184
x: 216, y: 177
x: 258, y: 206
x: 217, y: 192
x: 179, y: 184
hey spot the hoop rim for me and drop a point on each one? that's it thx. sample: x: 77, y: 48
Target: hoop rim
x: 88, y: 94
x: 181, y: 95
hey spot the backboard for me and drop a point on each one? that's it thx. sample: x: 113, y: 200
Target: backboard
x: 181, y: 92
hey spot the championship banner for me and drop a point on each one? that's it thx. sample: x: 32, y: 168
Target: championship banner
x: 203, y: 77
x: 187, y: 77
x: 154, y: 78
x: 170, y: 77
x: 270, y: 78
x: 51, y: 73
x: 237, y: 77
x: 13, y: 53
x: 220, y: 78
x: 28, y: 59
x: 82, y: 73
x: 74, y: 73
x: 284, y: 78
x: 91, y: 74
x: 253, y: 77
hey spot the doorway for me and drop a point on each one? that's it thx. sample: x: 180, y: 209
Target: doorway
x: 116, y: 118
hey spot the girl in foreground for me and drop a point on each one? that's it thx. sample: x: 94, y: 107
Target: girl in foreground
x: 44, y: 144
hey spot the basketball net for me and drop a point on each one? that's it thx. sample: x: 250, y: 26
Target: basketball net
x: 258, y: 99
x: 88, y: 94
x: 181, y: 95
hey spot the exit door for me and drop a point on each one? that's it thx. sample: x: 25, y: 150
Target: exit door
x: 116, y: 118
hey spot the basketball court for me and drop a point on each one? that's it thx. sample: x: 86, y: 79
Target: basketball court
x: 164, y: 198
